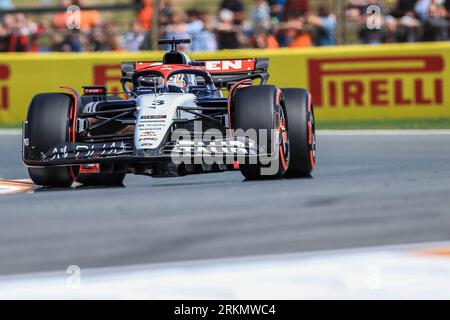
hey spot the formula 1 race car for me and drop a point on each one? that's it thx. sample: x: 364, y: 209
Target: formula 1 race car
x: 175, y: 121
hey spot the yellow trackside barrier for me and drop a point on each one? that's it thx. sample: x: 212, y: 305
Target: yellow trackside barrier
x: 347, y: 83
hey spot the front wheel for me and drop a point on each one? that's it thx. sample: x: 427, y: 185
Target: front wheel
x: 50, y: 118
x: 260, y: 109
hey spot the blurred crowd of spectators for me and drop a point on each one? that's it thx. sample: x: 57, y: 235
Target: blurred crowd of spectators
x: 262, y: 24
x: 267, y: 24
x: 19, y: 33
x: 406, y: 21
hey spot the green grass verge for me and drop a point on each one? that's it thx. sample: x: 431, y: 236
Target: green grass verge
x: 10, y: 125
x: 353, y: 125
x: 385, y: 124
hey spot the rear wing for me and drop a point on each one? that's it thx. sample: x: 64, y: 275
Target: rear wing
x: 227, y: 72
x: 224, y: 72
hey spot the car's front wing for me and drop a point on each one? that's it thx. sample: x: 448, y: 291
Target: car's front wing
x: 66, y: 154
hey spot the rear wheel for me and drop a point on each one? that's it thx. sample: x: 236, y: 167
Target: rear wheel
x: 302, y: 133
x: 262, y: 108
x: 50, y: 117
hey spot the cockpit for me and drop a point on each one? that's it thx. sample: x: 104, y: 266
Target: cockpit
x: 194, y: 81
x: 179, y: 83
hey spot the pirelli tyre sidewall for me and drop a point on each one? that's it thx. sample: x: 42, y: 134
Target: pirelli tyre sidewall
x: 262, y: 108
x: 50, y: 119
x: 302, y: 137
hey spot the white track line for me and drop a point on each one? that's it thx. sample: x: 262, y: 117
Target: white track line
x: 383, y: 132
x: 373, y: 273
x: 10, y: 187
x: 10, y: 132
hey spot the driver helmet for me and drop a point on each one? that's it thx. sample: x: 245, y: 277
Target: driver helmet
x: 179, y: 81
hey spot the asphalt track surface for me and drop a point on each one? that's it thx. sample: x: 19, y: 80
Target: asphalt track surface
x: 368, y: 190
